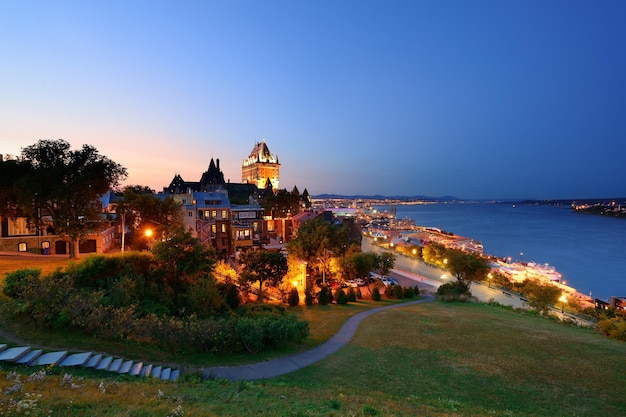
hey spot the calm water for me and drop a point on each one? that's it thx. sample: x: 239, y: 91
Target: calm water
x: 589, y: 251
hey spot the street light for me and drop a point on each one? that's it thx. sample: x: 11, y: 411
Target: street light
x: 323, y: 261
x: 563, y: 301
x: 149, y: 234
x: 489, y: 278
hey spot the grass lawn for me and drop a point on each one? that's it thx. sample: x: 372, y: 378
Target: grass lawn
x: 431, y: 359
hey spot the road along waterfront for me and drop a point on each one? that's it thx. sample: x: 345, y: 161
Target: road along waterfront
x: 588, y: 251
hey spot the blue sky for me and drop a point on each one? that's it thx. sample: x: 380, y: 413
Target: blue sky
x: 475, y: 99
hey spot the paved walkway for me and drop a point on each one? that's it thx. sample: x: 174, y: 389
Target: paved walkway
x: 291, y: 363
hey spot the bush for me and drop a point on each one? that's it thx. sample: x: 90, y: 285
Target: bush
x: 308, y: 295
x: 359, y: 294
x: 293, y: 299
x: 614, y: 327
x: 351, y: 295
x: 376, y: 294
x: 18, y: 281
x: 407, y: 292
x: 453, y: 291
x: 323, y: 298
x: 342, y: 297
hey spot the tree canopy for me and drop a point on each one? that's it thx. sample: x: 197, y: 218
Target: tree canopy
x: 263, y: 266
x: 65, y: 186
x: 140, y: 209
x: 467, y: 267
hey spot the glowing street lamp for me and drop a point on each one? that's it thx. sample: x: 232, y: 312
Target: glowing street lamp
x: 563, y: 301
x: 489, y: 278
x: 149, y: 234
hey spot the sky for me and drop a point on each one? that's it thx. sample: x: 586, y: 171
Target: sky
x: 472, y: 99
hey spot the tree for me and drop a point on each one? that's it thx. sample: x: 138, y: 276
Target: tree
x: 386, y: 261
x: 11, y: 173
x: 282, y: 204
x: 66, y: 185
x: 317, y: 236
x: 359, y: 264
x: 540, y: 297
x: 140, y: 209
x: 265, y: 267
x: 467, y: 267
x: 183, y: 261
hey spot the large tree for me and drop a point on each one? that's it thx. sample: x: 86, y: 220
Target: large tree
x: 467, y: 267
x: 282, y: 204
x: 139, y: 209
x: 265, y: 267
x: 183, y: 262
x: 66, y: 186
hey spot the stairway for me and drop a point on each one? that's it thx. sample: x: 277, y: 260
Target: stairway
x: 36, y: 357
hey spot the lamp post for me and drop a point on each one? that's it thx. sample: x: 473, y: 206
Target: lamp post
x: 148, y: 234
x: 563, y: 301
x: 323, y: 261
x: 489, y: 278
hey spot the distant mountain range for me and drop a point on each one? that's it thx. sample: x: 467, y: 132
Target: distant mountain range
x: 384, y: 197
x: 448, y: 198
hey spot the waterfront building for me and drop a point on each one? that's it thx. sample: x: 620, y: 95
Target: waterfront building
x: 261, y: 167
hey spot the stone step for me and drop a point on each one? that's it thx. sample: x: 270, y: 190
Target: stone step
x: 156, y: 372
x: 77, y: 359
x: 50, y: 358
x: 105, y: 363
x: 25, y: 355
x: 125, y: 368
x: 30, y: 357
x: 174, y: 375
x: 147, y: 370
x: 165, y: 374
x: 115, y: 365
x: 14, y: 354
x: 136, y: 369
x: 94, y: 361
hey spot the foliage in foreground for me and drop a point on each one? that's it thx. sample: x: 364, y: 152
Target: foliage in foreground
x: 173, y: 304
x: 438, y: 360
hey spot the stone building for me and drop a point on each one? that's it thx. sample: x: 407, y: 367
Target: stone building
x: 261, y: 168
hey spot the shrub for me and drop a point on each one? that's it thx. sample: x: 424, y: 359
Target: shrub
x: 407, y: 292
x: 331, y: 296
x: 453, y: 291
x: 359, y: 294
x: 614, y: 327
x: 294, y: 298
x: 342, y: 297
x: 376, y: 294
x: 323, y: 297
x: 351, y: 295
x: 308, y: 295
x: 17, y: 282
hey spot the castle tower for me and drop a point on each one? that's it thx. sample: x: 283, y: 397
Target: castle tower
x: 260, y: 167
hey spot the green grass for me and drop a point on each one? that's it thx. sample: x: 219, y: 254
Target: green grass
x: 431, y: 359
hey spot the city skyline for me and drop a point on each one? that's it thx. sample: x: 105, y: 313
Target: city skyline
x: 478, y: 100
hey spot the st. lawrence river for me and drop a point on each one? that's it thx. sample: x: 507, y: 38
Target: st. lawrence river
x: 589, y: 251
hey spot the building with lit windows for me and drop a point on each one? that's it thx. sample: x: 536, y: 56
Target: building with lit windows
x: 261, y: 167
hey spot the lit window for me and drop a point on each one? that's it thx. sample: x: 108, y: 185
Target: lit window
x: 213, y: 228
x: 224, y: 214
x: 223, y: 227
x: 22, y: 247
x: 213, y: 213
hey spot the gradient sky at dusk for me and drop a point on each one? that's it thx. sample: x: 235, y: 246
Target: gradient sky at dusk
x: 475, y: 99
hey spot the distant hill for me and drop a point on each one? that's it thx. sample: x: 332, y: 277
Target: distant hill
x: 385, y: 197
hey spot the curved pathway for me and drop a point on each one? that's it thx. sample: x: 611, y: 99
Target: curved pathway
x: 291, y: 363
